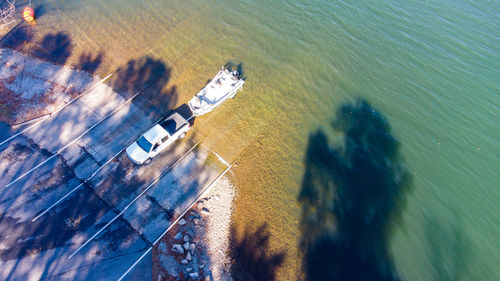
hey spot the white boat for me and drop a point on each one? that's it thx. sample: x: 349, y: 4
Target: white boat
x: 224, y: 86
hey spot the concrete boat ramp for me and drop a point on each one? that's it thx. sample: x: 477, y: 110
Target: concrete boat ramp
x: 74, y: 207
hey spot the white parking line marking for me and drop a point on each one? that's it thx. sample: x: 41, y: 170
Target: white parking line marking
x: 135, y: 199
x: 175, y: 222
x: 87, y: 179
x: 73, y: 141
x: 31, y: 126
x: 135, y: 263
x: 58, y: 201
x: 57, y: 110
x: 31, y: 170
x: 74, y: 189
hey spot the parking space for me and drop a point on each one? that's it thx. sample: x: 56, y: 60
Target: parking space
x: 36, y: 192
x: 63, y: 127
x: 163, y: 203
x: 45, y: 250
x: 72, y: 204
x: 170, y: 195
x: 119, y: 130
x: 17, y: 157
x: 49, y: 242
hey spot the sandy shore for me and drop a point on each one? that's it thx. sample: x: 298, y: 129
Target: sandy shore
x: 196, y: 248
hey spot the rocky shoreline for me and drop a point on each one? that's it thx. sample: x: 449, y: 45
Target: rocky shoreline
x: 196, y: 248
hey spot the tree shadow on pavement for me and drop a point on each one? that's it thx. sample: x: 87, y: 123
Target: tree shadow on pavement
x: 251, y: 257
x: 25, y: 237
x: 350, y: 195
x: 48, y: 241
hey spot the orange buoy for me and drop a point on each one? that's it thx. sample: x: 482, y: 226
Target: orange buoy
x: 29, y: 15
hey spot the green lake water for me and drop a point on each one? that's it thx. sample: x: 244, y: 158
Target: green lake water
x: 430, y: 68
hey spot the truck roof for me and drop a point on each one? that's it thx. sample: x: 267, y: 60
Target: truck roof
x: 155, y: 133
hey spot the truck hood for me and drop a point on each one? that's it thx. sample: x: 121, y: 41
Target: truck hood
x: 136, y: 153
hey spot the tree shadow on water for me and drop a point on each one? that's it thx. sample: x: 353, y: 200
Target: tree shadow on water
x: 40, y: 10
x: 55, y: 47
x: 350, y: 195
x: 449, y: 248
x: 148, y: 78
x: 16, y: 37
x: 140, y: 74
x: 90, y: 63
x: 250, y: 255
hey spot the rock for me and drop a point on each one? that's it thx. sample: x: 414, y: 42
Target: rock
x: 200, y: 205
x: 178, y: 236
x: 205, y: 210
x: 192, y: 247
x: 186, y: 246
x: 191, y: 232
x: 184, y: 261
x: 182, y: 222
x: 189, y: 269
x: 171, y: 265
x: 177, y: 248
x: 163, y: 247
x: 188, y: 256
x: 186, y: 238
x: 194, y: 214
x: 202, y: 266
x: 194, y: 275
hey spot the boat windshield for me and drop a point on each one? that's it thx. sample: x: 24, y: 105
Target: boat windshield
x: 144, y: 144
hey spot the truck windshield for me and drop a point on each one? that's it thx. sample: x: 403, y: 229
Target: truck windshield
x: 144, y: 144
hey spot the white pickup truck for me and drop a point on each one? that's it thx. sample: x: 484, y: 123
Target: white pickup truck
x: 156, y: 139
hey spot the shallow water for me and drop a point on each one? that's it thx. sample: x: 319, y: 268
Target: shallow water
x: 431, y: 69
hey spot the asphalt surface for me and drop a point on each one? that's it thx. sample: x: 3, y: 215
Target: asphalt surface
x: 74, y: 207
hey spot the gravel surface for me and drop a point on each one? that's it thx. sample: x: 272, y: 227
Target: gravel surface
x: 196, y: 248
x: 219, y: 205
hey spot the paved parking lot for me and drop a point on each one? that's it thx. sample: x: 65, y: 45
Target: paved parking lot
x: 73, y: 207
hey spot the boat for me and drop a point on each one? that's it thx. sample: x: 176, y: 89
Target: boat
x: 224, y: 86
